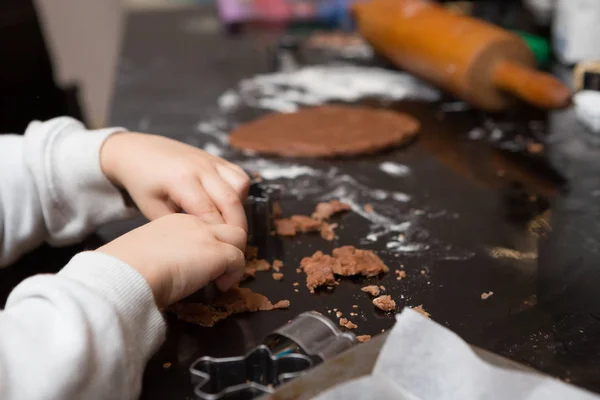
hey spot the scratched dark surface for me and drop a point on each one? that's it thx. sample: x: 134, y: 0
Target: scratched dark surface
x: 544, y: 311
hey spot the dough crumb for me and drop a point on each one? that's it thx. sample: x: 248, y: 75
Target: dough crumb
x: 324, y: 211
x: 295, y: 284
x: 277, y: 276
x: 277, y: 264
x: 251, y: 253
x: 400, y: 275
x: 535, y: 148
x: 338, y: 314
x: 382, y: 287
x: 422, y: 272
x: 235, y: 301
x: 276, y: 209
x: 328, y: 231
x: 363, y: 338
x: 372, y: 290
x: 167, y: 365
x: 347, y: 324
x: 421, y: 311
x: 368, y: 208
x: 485, y: 296
x: 384, y: 303
x: 354, y: 306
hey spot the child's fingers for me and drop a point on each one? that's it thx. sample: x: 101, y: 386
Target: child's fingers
x: 226, y: 199
x: 231, y: 235
x: 231, y: 266
x: 227, y: 280
x: 194, y: 200
x: 235, y: 177
x: 156, y: 208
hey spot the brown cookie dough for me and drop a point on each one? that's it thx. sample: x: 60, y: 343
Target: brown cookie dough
x: 325, y: 131
x: 328, y: 231
x: 277, y: 264
x: 363, y: 338
x: 318, y: 270
x: 324, y: 211
x: 277, y: 276
x: 421, y: 311
x: 373, y: 290
x: 384, y: 303
x: 255, y: 265
x: 234, y: 301
x: 321, y: 269
x: 353, y: 261
x: 251, y: 252
x: 296, y: 223
x: 347, y: 323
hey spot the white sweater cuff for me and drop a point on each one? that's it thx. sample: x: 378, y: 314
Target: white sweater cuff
x: 76, y: 196
x: 127, y: 291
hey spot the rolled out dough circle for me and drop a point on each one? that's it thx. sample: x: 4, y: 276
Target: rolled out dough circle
x: 325, y: 131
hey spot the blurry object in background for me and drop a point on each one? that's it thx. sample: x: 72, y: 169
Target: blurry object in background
x: 587, y: 107
x: 539, y: 46
x: 346, y: 45
x: 508, y: 14
x: 334, y: 13
x: 26, y: 73
x: 485, y: 65
x: 542, y: 10
x: 84, y: 40
x: 586, y: 76
x: 576, y: 29
x: 286, y: 56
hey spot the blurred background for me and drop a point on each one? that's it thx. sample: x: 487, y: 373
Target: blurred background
x: 52, y: 70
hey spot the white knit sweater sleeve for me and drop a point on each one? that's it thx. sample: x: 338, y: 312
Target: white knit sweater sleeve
x: 87, y: 332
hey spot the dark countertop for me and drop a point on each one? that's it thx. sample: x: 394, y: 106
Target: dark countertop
x: 545, y: 309
x: 543, y: 312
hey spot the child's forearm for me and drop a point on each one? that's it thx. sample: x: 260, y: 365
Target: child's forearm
x: 52, y: 188
x: 85, y: 333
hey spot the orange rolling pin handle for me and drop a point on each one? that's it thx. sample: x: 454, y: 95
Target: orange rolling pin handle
x: 540, y: 89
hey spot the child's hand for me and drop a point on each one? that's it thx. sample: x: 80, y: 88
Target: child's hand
x: 178, y: 254
x: 164, y: 176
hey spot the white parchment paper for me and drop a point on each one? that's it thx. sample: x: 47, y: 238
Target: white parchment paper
x: 422, y: 360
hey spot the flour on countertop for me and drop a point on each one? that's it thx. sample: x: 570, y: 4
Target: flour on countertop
x: 215, y: 128
x: 315, y: 85
x: 394, y: 169
x: 213, y: 149
x: 270, y: 170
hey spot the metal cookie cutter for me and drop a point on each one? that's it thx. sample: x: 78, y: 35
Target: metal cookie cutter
x: 312, y: 334
x: 260, y: 215
x: 307, y: 340
x: 245, y: 377
x: 259, y: 212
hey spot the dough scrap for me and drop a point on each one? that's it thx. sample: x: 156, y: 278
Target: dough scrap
x: 235, y: 301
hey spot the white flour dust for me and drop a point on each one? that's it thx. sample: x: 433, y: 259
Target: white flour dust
x: 309, y: 86
x: 271, y: 171
x: 213, y: 149
x: 215, y: 128
x: 394, y: 169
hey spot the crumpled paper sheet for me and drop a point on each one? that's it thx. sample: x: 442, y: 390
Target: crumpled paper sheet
x: 422, y: 360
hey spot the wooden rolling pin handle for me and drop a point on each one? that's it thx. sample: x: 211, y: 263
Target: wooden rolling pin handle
x: 538, y: 88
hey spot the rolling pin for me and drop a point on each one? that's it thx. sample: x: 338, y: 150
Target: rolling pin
x: 478, y: 62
